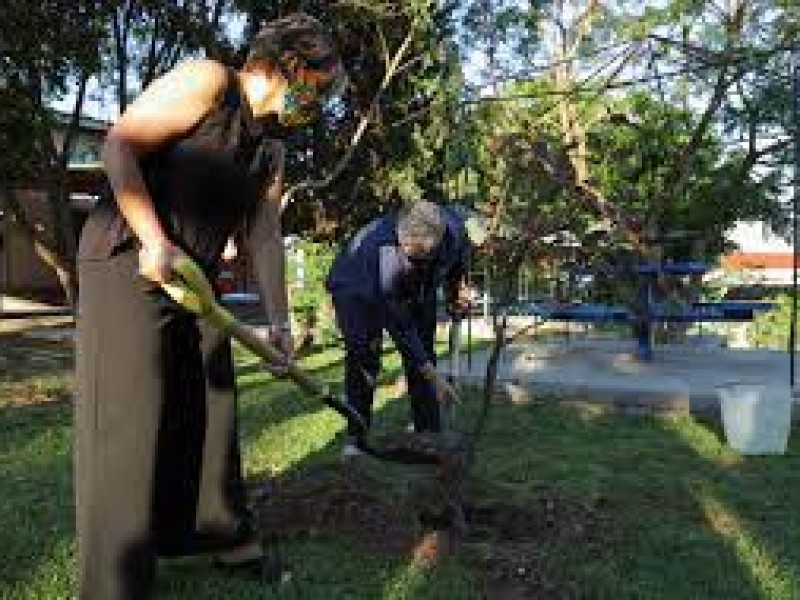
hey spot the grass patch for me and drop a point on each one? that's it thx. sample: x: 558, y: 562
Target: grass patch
x: 10, y: 327
x: 33, y: 370
x: 574, y: 504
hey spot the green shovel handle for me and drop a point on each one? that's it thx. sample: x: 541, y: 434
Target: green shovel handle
x: 192, y: 290
x: 194, y: 293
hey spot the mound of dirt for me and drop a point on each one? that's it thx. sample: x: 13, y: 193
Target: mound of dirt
x: 515, y: 572
x: 333, y: 499
x: 504, y: 542
x: 514, y: 541
x: 550, y: 517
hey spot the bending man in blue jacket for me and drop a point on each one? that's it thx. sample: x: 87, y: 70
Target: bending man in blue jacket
x: 386, y: 278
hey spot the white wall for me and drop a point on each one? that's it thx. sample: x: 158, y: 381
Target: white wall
x: 757, y: 237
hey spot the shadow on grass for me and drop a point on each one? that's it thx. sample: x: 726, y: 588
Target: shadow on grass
x: 24, y: 358
x: 752, y: 503
x: 266, y: 401
x: 660, y: 481
x: 36, y: 512
x: 285, y: 432
x: 333, y: 350
x: 33, y: 370
x: 687, y: 518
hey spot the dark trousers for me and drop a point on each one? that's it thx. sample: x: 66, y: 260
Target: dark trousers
x: 362, y: 325
x: 157, y: 465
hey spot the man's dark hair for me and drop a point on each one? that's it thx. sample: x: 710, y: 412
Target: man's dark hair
x: 296, y: 35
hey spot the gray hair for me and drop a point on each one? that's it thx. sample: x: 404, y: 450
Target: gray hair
x: 421, y: 220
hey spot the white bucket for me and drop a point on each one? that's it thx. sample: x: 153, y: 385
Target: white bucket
x: 756, y: 417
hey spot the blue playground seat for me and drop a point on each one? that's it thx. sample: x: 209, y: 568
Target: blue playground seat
x: 673, y: 268
x: 584, y: 312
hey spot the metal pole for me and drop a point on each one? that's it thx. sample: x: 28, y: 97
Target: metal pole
x: 470, y: 153
x: 795, y: 66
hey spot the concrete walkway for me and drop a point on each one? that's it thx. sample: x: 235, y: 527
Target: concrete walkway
x: 13, y: 305
x: 22, y: 316
x: 681, y: 378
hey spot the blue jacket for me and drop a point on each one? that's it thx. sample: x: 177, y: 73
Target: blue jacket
x: 372, y: 267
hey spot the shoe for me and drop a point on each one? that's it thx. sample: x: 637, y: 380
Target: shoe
x: 269, y: 568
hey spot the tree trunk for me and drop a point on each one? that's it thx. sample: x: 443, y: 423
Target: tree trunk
x: 63, y: 267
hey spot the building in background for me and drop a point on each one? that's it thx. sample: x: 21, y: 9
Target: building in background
x: 21, y: 270
x: 762, y: 258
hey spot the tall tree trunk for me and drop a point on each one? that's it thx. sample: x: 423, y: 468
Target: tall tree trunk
x: 58, y: 254
x: 572, y: 129
x: 63, y: 268
x: 120, y: 25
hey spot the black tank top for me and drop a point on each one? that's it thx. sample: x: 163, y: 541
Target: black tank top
x: 204, y: 185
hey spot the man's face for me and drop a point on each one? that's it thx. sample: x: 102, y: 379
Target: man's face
x: 418, y: 249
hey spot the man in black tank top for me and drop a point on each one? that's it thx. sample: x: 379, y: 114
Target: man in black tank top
x: 190, y: 162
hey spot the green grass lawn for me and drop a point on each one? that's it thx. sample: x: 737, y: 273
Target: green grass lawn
x: 642, y: 507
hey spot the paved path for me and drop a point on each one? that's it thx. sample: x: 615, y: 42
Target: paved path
x: 13, y: 305
x: 680, y: 378
x: 20, y: 316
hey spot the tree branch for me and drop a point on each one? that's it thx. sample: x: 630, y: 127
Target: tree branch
x: 584, y: 191
x: 384, y: 48
x: 408, y: 64
x: 582, y: 26
x: 53, y: 176
x: 679, y: 172
x: 74, y: 121
x: 216, y: 13
x: 699, y: 51
x: 754, y: 156
x: 360, y: 129
x: 120, y: 38
x: 152, y: 53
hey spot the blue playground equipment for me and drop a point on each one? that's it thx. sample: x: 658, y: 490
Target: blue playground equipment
x: 641, y: 318
x: 648, y: 310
